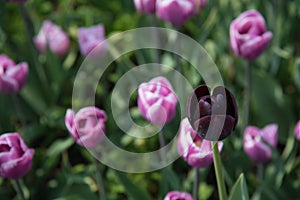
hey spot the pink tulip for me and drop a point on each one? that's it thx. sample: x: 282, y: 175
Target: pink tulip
x: 257, y: 142
x: 92, y: 39
x: 175, y: 11
x: 145, y: 6
x: 195, y: 150
x: 52, y: 36
x: 157, y: 101
x: 15, y: 156
x: 248, y: 35
x: 87, y: 126
x: 175, y: 195
x: 12, y: 76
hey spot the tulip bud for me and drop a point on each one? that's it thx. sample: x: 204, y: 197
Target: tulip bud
x: 175, y: 195
x: 145, y: 6
x: 15, y: 156
x: 175, y: 11
x: 52, y: 36
x: 157, y: 101
x: 87, y: 126
x: 258, y: 142
x: 248, y: 35
x: 214, y: 116
x: 195, y: 150
x: 90, y: 38
x: 297, y: 130
x: 12, y: 76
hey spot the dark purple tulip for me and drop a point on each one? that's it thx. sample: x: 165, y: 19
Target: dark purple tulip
x: 215, y: 116
x: 15, y: 156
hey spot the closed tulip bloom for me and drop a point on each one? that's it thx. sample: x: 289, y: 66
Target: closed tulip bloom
x: 157, y: 101
x: 175, y: 11
x: 145, y: 6
x: 92, y: 39
x: 87, y: 126
x: 215, y: 116
x: 297, y: 131
x: 196, y: 151
x: 52, y: 36
x: 12, y: 76
x: 175, y: 195
x: 258, y: 142
x: 15, y: 156
x: 248, y: 35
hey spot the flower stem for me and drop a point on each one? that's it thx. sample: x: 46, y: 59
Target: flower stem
x: 260, y: 172
x: 247, y: 95
x: 162, y: 143
x: 99, y: 179
x: 19, y: 189
x: 219, y: 172
x: 196, y: 184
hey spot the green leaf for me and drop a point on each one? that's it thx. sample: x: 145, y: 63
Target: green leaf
x: 133, y: 190
x: 239, y: 190
x: 59, y: 146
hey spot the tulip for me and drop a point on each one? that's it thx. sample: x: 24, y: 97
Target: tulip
x: 216, y: 113
x: 87, y: 126
x: 15, y: 156
x: 12, y: 76
x: 157, y: 101
x: 175, y: 11
x: 90, y: 38
x: 258, y: 142
x: 145, y: 6
x: 297, y: 130
x: 52, y: 36
x: 195, y: 150
x: 248, y: 35
x: 175, y: 195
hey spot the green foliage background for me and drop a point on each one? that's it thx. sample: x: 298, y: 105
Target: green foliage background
x: 62, y: 170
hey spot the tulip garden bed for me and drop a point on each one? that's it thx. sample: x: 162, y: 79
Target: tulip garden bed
x: 149, y: 99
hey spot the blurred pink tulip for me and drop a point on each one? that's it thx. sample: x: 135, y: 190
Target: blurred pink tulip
x: 145, y: 6
x: 87, y: 126
x: 175, y: 195
x: 248, y: 35
x: 297, y: 130
x: 12, y: 76
x: 52, y: 36
x: 15, y: 156
x: 195, y: 150
x: 258, y: 142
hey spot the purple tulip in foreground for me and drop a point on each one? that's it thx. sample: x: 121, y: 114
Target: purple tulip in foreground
x: 297, y: 130
x: 15, y: 156
x: 195, y: 150
x: 214, y: 116
x: 52, y: 36
x: 175, y: 195
x: 258, y: 142
x: 87, y: 126
x: 12, y: 76
x: 248, y: 35
x: 90, y: 38
x: 175, y: 11
x: 157, y: 101
x: 145, y: 6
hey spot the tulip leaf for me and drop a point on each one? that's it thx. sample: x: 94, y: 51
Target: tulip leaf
x: 239, y: 190
x: 133, y: 190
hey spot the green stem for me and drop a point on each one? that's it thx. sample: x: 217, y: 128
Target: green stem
x: 19, y: 189
x: 30, y: 35
x: 219, y: 172
x: 260, y: 172
x: 99, y: 179
x: 247, y: 95
x: 162, y: 143
x: 196, y: 184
